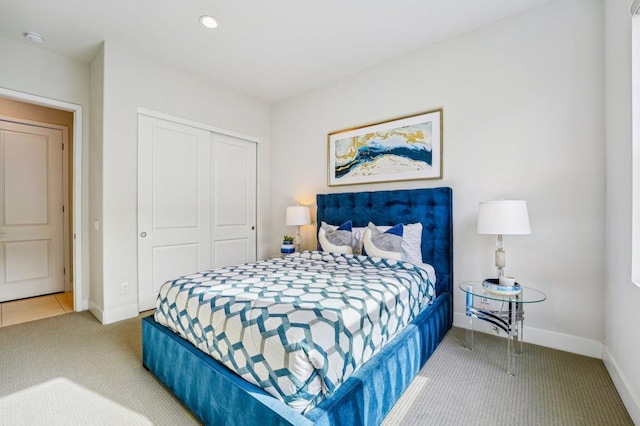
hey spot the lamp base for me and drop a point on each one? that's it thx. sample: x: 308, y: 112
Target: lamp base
x: 501, y: 256
x: 297, y: 241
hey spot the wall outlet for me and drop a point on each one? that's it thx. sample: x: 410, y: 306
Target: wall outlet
x: 125, y: 287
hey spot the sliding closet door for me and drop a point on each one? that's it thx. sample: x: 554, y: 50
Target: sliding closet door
x: 174, y: 204
x: 234, y: 201
x: 196, y: 202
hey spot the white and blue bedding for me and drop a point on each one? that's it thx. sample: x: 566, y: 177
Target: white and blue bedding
x: 299, y: 326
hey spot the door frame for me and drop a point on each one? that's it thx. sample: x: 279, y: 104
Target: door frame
x: 79, y: 303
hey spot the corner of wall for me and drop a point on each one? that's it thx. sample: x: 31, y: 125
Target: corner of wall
x: 630, y: 400
x: 96, y: 311
x: 94, y: 184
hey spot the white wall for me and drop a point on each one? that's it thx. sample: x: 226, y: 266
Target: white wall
x: 622, y: 297
x: 132, y: 81
x: 33, y: 71
x: 523, y: 118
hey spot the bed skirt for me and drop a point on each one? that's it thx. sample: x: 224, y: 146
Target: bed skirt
x: 219, y: 397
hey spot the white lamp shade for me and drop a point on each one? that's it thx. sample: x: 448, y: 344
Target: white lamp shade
x: 506, y: 217
x: 298, y: 215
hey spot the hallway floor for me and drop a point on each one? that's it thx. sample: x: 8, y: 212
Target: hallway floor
x: 35, y: 308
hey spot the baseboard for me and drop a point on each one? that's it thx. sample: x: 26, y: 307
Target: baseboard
x: 96, y: 311
x: 113, y: 315
x: 629, y: 398
x: 536, y: 336
x: 119, y: 314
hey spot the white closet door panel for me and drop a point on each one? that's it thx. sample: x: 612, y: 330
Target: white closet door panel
x: 234, y: 200
x: 230, y: 252
x: 171, y: 262
x: 175, y: 179
x: 231, y: 206
x: 31, y: 215
x: 174, y: 199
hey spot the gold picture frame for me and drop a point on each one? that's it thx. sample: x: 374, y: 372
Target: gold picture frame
x: 404, y: 148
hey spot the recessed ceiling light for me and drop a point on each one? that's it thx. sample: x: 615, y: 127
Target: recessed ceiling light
x: 34, y: 37
x: 208, y: 21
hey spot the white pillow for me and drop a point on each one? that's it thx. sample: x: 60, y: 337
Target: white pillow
x: 411, y: 241
x: 336, y: 239
x: 386, y: 244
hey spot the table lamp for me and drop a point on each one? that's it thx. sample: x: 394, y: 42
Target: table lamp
x: 297, y: 216
x: 504, y: 217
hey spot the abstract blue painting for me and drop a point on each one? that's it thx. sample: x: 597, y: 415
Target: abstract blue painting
x: 405, y: 148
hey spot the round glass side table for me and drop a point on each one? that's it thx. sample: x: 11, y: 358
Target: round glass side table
x: 504, y: 312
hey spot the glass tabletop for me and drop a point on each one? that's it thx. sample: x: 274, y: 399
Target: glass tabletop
x: 526, y: 295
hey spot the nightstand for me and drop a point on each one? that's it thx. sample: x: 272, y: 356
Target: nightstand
x: 504, y: 312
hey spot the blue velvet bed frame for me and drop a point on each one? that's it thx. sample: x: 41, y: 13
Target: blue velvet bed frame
x: 219, y: 397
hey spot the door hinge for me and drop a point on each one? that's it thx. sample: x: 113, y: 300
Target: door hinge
x: 62, y: 209
x: 63, y: 147
x: 64, y: 271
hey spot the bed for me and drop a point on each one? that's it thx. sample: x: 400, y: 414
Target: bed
x: 218, y: 396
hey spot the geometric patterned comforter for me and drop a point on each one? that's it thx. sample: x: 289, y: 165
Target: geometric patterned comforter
x: 298, y: 326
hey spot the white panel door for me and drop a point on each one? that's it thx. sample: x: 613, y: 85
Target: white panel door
x: 234, y: 201
x: 174, y: 199
x: 31, y: 214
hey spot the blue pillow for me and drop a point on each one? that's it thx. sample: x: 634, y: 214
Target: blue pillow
x: 386, y: 244
x: 335, y: 240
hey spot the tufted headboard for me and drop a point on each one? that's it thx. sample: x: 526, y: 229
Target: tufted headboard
x: 431, y: 207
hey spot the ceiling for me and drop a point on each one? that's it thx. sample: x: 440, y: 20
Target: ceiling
x: 271, y: 49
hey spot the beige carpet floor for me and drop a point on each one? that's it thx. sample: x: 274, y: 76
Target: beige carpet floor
x: 104, y: 359
x: 62, y: 402
x: 458, y: 386
x: 72, y: 370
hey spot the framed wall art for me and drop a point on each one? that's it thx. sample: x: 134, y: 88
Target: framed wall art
x: 405, y: 148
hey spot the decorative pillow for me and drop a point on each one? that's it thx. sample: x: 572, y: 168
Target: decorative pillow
x: 335, y: 239
x: 411, y: 241
x: 386, y: 244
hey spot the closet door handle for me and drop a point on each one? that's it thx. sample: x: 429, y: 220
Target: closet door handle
x: 253, y: 227
x: 143, y: 234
